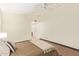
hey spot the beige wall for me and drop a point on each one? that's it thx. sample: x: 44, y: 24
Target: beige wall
x: 17, y: 26
x: 61, y: 24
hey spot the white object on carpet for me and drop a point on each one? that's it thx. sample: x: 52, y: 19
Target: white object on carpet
x: 46, y: 47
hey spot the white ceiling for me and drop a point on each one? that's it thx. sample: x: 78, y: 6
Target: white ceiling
x: 29, y: 7
x: 17, y: 7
